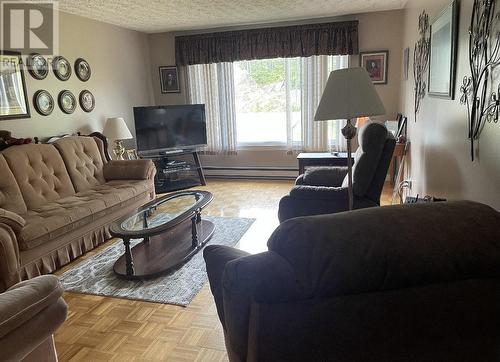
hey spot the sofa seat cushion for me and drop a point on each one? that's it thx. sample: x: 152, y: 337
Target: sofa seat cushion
x: 62, y: 216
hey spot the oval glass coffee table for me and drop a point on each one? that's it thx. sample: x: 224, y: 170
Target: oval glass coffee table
x: 171, y: 229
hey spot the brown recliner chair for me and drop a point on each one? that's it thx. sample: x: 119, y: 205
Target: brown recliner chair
x: 397, y: 283
x: 30, y: 313
x: 323, y: 190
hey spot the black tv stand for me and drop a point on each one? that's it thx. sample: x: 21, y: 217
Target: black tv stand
x: 173, y: 174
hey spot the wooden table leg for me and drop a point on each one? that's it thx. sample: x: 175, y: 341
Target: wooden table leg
x: 129, y: 261
x: 194, y: 231
x: 201, y: 175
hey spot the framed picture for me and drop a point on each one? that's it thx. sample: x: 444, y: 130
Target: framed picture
x: 402, y: 127
x: 37, y: 66
x: 87, y: 100
x: 169, y: 80
x: 82, y: 69
x: 67, y: 101
x: 406, y: 62
x: 61, y: 67
x: 43, y: 102
x: 13, y: 98
x: 132, y: 154
x: 442, y: 58
x: 376, y: 64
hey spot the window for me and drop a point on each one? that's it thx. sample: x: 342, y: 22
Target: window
x: 268, y: 99
x: 268, y: 102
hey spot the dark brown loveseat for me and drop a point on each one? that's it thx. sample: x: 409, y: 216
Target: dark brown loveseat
x: 58, y: 200
x: 397, y: 283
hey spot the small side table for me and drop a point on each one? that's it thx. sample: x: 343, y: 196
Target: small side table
x: 307, y: 159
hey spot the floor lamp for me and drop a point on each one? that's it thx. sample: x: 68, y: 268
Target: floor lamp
x: 349, y: 94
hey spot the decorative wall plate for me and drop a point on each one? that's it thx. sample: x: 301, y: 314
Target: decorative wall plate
x: 43, y: 102
x: 67, y: 101
x: 82, y: 69
x: 37, y: 65
x: 61, y: 67
x: 87, y: 100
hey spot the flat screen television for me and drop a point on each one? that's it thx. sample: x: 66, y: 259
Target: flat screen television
x: 165, y: 128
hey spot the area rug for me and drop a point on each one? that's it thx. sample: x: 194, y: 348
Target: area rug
x: 96, y: 276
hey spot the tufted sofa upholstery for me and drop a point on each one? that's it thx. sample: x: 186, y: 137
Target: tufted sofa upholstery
x: 58, y: 200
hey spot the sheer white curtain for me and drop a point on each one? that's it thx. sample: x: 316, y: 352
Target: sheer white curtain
x: 316, y: 136
x: 213, y: 85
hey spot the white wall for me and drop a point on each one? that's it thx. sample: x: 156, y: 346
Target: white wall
x: 440, y: 163
x: 119, y: 59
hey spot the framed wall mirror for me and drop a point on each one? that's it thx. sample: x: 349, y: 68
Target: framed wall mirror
x: 442, y: 62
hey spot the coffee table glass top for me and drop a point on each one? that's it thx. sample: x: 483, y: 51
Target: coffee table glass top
x: 165, y: 211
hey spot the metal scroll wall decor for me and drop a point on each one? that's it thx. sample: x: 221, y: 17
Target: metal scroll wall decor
x: 484, y: 56
x: 421, y: 60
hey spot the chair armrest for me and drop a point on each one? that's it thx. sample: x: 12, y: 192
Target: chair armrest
x: 300, y: 180
x: 13, y: 220
x: 27, y: 299
x: 312, y: 203
x: 9, y: 258
x: 325, y: 176
x: 129, y: 170
x: 305, y: 192
x: 264, y: 277
x: 216, y: 257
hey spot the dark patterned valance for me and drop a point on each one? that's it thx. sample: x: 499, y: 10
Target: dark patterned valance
x: 340, y: 38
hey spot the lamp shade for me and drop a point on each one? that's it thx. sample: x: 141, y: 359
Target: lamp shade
x: 116, y: 129
x: 349, y: 93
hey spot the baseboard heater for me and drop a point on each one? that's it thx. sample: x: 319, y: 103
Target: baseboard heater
x: 270, y: 173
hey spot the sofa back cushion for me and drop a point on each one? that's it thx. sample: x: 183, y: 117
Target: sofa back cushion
x: 10, y: 194
x: 40, y: 173
x: 83, y: 161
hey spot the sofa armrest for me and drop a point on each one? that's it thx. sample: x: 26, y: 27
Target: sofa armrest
x: 25, y: 300
x: 324, y: 176
x: 30, y: 313
x: 9, y: 258
x: 13, y: 220
x: 129, y: 170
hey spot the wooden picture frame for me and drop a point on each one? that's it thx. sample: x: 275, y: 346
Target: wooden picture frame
x: 376, y: 64
x: 402, y: 127
x: 169, y: 79
x: 406, y: 62
x: 14, y: 84
x: 443, y: 52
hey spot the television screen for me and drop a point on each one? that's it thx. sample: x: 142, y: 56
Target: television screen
x: 163, y: 128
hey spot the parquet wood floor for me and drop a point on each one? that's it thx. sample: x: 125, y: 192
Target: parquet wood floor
x: 110, y: 329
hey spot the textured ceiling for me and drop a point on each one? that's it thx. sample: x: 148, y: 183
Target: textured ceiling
x: 153, y: 16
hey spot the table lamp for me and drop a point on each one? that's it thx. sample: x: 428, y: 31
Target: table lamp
x: 116, y: 129
x: 349, y: 94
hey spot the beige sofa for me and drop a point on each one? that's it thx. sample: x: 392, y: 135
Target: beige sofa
x: 30, y: 313
x: 58, y: 200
